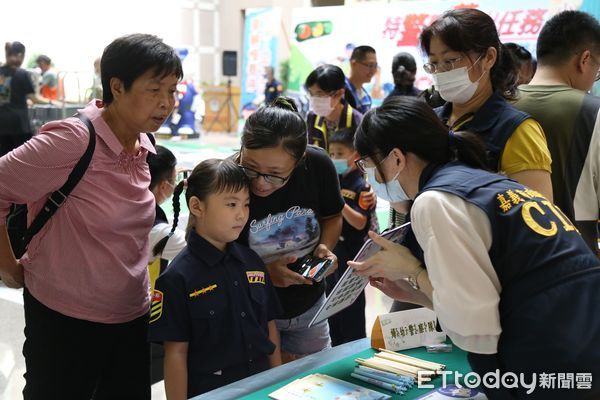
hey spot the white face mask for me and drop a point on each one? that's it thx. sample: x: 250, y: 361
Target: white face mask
x: 321, y: 105
x: 455, y: 86
x: 390, y: 191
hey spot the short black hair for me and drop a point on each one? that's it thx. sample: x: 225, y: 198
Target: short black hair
x: 344, y: 136
x: 360, y: 53
x: 43, y: 58
x: 406, y: 60
x: 161, y: 165
x: 327, y: 77
x: 566, y: 34
x: 14, y: 48
x: 129, y: 57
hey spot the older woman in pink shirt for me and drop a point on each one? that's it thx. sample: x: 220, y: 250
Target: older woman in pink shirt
x: 85, y: 273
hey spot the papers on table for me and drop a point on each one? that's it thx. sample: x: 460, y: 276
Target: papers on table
x: 324, y: 387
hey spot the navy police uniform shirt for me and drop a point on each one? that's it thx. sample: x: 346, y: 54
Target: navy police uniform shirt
x: 220, y: 303
x: 352, y: 184
x: 273, y: 89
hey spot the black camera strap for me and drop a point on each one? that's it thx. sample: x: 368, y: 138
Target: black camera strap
x: 57, y: 198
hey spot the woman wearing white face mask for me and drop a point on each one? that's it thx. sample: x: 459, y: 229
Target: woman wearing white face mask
x: 329, y: 112
x: 476, y: 74
x: 509, y: 277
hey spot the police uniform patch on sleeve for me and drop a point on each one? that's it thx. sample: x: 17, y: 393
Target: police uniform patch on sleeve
x: 348, y: 194
x: 256, y: 277
x: 156, y: 305
x: 199, y: 292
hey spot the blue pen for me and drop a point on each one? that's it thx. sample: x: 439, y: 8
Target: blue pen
x: 375, y: 382
x: 389, y: 375
x: 382, y: 378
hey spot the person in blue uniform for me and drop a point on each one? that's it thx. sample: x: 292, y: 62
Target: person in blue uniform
x: 329, y: 111
x: 214, y: 307
x: 273, y: 88
x: 509, y: 276
x: 363, y: 67
x: 349, y: 324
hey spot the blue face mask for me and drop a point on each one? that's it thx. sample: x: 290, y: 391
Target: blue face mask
x: 341, y: 166
x: 390, y: 191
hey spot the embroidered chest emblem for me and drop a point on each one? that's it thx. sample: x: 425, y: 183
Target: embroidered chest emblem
x: 203, y: 291
x: 256, y: 277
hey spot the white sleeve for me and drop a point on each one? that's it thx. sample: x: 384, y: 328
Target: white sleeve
x: 456, y: 236
x: 587, y: 194
x: 174, y: 245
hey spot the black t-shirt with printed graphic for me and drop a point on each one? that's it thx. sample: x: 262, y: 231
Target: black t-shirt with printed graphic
x: 15, y: 85
x: 286, y: 223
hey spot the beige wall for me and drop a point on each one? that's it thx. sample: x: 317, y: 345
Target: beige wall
x: 229, y: 36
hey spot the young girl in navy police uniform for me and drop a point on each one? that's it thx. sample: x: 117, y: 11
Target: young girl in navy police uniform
x: 214, y: 307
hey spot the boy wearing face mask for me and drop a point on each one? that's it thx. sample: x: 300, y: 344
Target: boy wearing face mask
x: 329, y: 112
x: 349, y: 324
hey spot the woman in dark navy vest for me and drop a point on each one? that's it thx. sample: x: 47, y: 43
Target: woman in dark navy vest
x: 476, y: 75
x: 510, y: 278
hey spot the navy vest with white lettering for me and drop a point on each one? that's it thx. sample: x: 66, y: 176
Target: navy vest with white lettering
x: 534, y: 245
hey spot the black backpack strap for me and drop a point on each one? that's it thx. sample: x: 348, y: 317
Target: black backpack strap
x: 57, y: 199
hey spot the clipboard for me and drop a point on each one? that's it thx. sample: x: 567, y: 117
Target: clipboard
x: 350, y: 286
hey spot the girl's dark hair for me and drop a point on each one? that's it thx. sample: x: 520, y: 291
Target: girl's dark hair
x: 409, y: 124
x: 161, y: 165
x: 275, y: 124
x: 211, y: 176
x: 329, y: 78
x: 129, y: 57
x: 468, y: 29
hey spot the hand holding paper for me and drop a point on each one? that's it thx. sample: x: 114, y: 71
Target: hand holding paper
x: 393, y: 261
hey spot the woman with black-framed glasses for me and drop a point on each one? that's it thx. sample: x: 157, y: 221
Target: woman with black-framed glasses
x: 295, y: 211
x: 476, y: 76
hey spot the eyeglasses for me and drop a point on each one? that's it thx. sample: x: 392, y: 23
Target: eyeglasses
x: 448, y: 65
x: 272, y: 179
x: 366, y: 162
x: 369, y: 65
